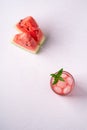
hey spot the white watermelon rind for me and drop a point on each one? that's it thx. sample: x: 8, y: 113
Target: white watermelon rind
x: 36, y: 50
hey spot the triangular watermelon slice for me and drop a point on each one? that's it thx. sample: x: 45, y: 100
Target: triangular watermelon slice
x: 27, y: 24
x: 31, y: 36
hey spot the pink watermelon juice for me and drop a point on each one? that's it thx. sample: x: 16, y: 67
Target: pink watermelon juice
x: 63, y: 87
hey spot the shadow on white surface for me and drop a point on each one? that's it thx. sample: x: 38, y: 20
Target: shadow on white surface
x: 79, y: 91
x: 55, y: 37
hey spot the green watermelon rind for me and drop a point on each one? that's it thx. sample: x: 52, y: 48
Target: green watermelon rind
x: 37, y: 48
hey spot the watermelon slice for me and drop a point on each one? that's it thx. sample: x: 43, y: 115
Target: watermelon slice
x: 31, y: 36
x: 63, y: 86
x: 27, y: 24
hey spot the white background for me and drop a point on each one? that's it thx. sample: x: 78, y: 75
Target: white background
x: 26, y: 99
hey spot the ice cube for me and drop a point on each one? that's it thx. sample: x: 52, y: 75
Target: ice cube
x: 67, y: 89
x: 57, y: 89
x: 69, y: 81
x: 64, y: 76
x: 61, y: 84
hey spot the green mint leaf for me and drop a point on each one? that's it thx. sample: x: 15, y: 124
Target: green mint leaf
x: 53, y: 75
x: 57, y: 76
x: 60, y: 78
x: 55, y: 81
x: 59, y: 73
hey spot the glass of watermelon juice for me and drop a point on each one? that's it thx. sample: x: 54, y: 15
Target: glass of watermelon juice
x: 63, y: 87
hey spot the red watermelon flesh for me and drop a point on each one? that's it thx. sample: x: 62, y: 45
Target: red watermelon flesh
x: 25, y: 41
x: 31, y: 37
x: 27, y: 24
